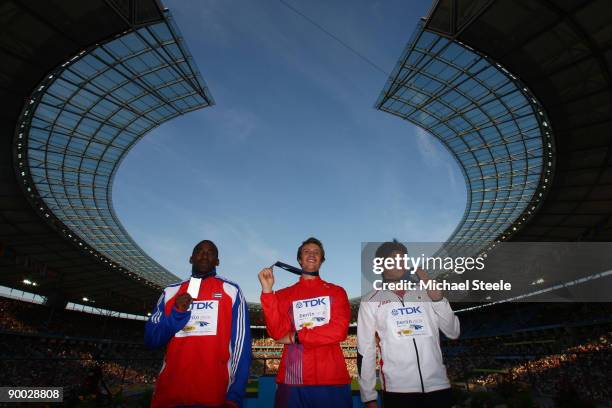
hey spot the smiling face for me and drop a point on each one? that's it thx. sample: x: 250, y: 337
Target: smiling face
x: 311, y: 257
x: 204, y: 257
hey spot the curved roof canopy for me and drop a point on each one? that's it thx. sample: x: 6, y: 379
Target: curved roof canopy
x: 562, y: 52
x: 82, y: 120
x: 486, y: 77
x: 81, y: 82
x: 490, y: 122
x: 519, y: 91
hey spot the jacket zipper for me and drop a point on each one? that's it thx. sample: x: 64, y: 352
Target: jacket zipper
x: 416, y: 350
x: 418, y: 364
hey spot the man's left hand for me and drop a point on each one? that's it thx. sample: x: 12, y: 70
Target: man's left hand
x: 433, y: 294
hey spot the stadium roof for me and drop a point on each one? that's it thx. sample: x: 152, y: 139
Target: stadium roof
x: 83, y: 82
x: 562, y: 51
x: 520, y: 92
x: 487, y: 119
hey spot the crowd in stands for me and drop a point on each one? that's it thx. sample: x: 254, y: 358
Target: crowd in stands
x: 267, y: 353
x: 38, y: 360
x: 542, y: 347
x: 66, y: 348
x: 545, y: 360
x: 256, y: 315
x: 509, y: 318
x: 25, y: 317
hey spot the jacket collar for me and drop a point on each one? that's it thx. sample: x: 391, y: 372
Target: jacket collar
x: 204, y: 275
x: 309, y: 281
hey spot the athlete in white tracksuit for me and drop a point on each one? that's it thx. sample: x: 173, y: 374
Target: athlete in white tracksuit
x: 407, y: 325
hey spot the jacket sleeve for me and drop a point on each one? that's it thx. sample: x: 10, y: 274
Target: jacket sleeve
x: 278, y: 322
x: 160, y: 327
x: 447, y: 321
x: 240, y: 350
x: 366, y: 352
x: 336, y: 330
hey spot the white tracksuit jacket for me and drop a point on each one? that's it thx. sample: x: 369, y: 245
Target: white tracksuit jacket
x: 409, y: 335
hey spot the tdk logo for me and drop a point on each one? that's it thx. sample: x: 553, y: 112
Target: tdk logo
x: 311, y: 302
x: 314, y: 302
x: 406, y: 310
x: 203, y: 305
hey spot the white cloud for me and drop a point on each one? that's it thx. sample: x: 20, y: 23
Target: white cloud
x: 236, y: 125
x: 245, y: 240
x: 435, y: 155
x: 430, y: 149
x: 172, y: 253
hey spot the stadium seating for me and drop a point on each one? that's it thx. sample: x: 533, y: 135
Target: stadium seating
x: 540, y: 347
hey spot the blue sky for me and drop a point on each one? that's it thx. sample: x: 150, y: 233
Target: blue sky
x: 293, y: 147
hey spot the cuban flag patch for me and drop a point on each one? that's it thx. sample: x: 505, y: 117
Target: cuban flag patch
x: 217, y: 295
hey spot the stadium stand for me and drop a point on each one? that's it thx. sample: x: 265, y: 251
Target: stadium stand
x: 539, y: 347
x: 25, y: 317
x: 558, y: 346
x: 554, y: 55
x: 68, y: 348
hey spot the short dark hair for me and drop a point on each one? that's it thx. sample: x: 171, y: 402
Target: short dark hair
x: 387, y: 248
x: 210, y: 242
x: 312, y: 240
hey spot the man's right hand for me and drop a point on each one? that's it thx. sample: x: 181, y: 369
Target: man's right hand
x: 183, y: 302
x: 266, y: 278
x: 371, y: 404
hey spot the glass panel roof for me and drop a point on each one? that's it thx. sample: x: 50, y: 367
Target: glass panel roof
x: 489, y: 121
x: 86, y: 116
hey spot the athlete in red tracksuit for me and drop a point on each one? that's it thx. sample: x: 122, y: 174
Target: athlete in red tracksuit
x: 208, y: 339
x: 311, y: 318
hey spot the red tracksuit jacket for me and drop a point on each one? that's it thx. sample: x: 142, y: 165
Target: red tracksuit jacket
x: 320, y: 312
x: 208, y: 347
